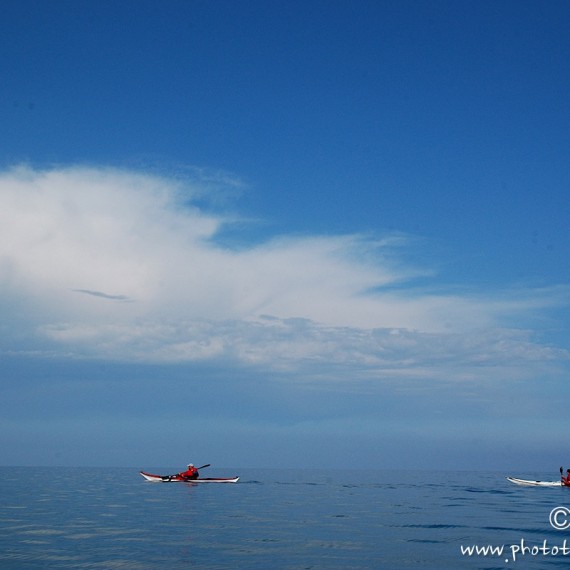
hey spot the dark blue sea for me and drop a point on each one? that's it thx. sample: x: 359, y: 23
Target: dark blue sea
x: 272, y: 519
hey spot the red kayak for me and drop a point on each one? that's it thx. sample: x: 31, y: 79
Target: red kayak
x: 178, y: 479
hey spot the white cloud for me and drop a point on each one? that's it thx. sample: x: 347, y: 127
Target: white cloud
x: 116, y: 264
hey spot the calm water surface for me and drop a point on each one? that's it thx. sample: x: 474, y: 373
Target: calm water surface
x: 113, y: 519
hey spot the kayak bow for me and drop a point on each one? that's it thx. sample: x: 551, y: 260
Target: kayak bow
x: 178, y: 479
x: 527, y: 483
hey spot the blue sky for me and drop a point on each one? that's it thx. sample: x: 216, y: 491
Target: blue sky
x: 307, y: 234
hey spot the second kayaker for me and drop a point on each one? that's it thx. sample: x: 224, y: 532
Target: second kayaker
x: 190, y: 473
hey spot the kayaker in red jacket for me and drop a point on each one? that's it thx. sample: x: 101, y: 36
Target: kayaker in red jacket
x: 190, y: 473
x: 565, y: 480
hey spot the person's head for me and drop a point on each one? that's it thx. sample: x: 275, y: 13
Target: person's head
x: 192, y: 465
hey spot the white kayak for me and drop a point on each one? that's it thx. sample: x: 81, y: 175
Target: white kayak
x: 178, y: 479
x: 527, y: 483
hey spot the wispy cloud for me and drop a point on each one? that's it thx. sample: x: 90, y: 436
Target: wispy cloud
x: 102, y: 295
x: 72, y: 238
